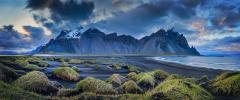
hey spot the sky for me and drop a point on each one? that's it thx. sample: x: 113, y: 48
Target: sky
x: 208, y: 25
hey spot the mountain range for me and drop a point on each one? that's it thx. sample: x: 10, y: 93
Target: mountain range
x: 95, y: 42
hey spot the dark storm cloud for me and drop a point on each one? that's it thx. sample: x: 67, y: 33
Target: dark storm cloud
x: 53, y: 27
x: 38, y: 4
x: 63, y: 14
x: 36, y: 33
x: 69, y: 10
x: 148, y: 15
x: 10, y: 38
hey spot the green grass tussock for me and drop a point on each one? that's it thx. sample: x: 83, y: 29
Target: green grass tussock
x: 97, y: 86
x: 64, y: 64
x: 7, y: 74
x: 10, y: 92
x: 180, y: 89
x: 131, y: 75
x: 66, y: 73
x: 174, y: 76
x: 132, y: 68
x: 131, y: 87
x: 116, y: 66
x: 36, y: 81
x: 145, y: 80
x: 227, y: 84
x: 160, y: 74
x: 116, y: 80
x: 39, y: 62
x: 23, y: 63
x: 56, y: 59
x: 32, y: 67
x: 68, y: 92
x: 134, y: 97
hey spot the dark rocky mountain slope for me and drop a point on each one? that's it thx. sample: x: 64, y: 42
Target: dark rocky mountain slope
x: 95, y: 42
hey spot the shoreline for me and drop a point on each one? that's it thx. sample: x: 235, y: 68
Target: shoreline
x: 174, y: 68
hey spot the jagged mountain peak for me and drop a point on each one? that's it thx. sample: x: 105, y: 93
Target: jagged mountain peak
x: 93, y: 32
x: 76, y: 33
x: 93, y: 41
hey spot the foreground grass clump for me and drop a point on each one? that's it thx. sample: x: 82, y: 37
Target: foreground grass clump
x: 66, y: 73
x: 160, y: 75
x: 9, y: 92
x: 7, y: 74
x: 131, y: 87
x: 36, y: 81
x: 75, y: 61
x: 116, y: 80
x: 68, y: 92
x: 93, y: 85
x: 32, y: 67
x: 56, y: 59
x: 174, y: 76
x: 145, y: 80
x: 116, y: 66
x: 23, y: 63
x: 64, y: 64
x: 134, y: 97
x: 227, y: 84
x: 131, y: 74
x: 39, y: 62
x: 180, y: 89
x: 132, y: 68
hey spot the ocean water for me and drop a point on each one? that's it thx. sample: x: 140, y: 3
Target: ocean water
x: 214, y: 62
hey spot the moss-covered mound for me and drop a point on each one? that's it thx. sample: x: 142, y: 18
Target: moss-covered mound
x: 95, y: 86
x: 56, y: 59
x: 116, y: 80
x: 226, y: 84
x: 131, y: 74
x: 179, y: 89
x: 116, y: 66
x: 93, y: 96
x: 20, y: 63
x: 68, y: 92
x: 132, y: 68
x: 174, y: 76
x: 134, y: 97
x: 145, y: 80
x: 36, y: 81
x: 160, y: 75
x: 75, y: 61
x: 131, y: 87
x: 9, y: 92
x: 32, y: 67
x: 7, y: 74
x: 64, y: 64
x: 39, y: 62
x: 66, y: 73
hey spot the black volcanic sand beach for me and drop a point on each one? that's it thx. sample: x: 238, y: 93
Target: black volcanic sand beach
x: 150, y: 64
x: 146, y: 64
x: 173, y: 68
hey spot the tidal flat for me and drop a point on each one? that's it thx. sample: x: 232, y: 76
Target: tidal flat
x: 112, y: 77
